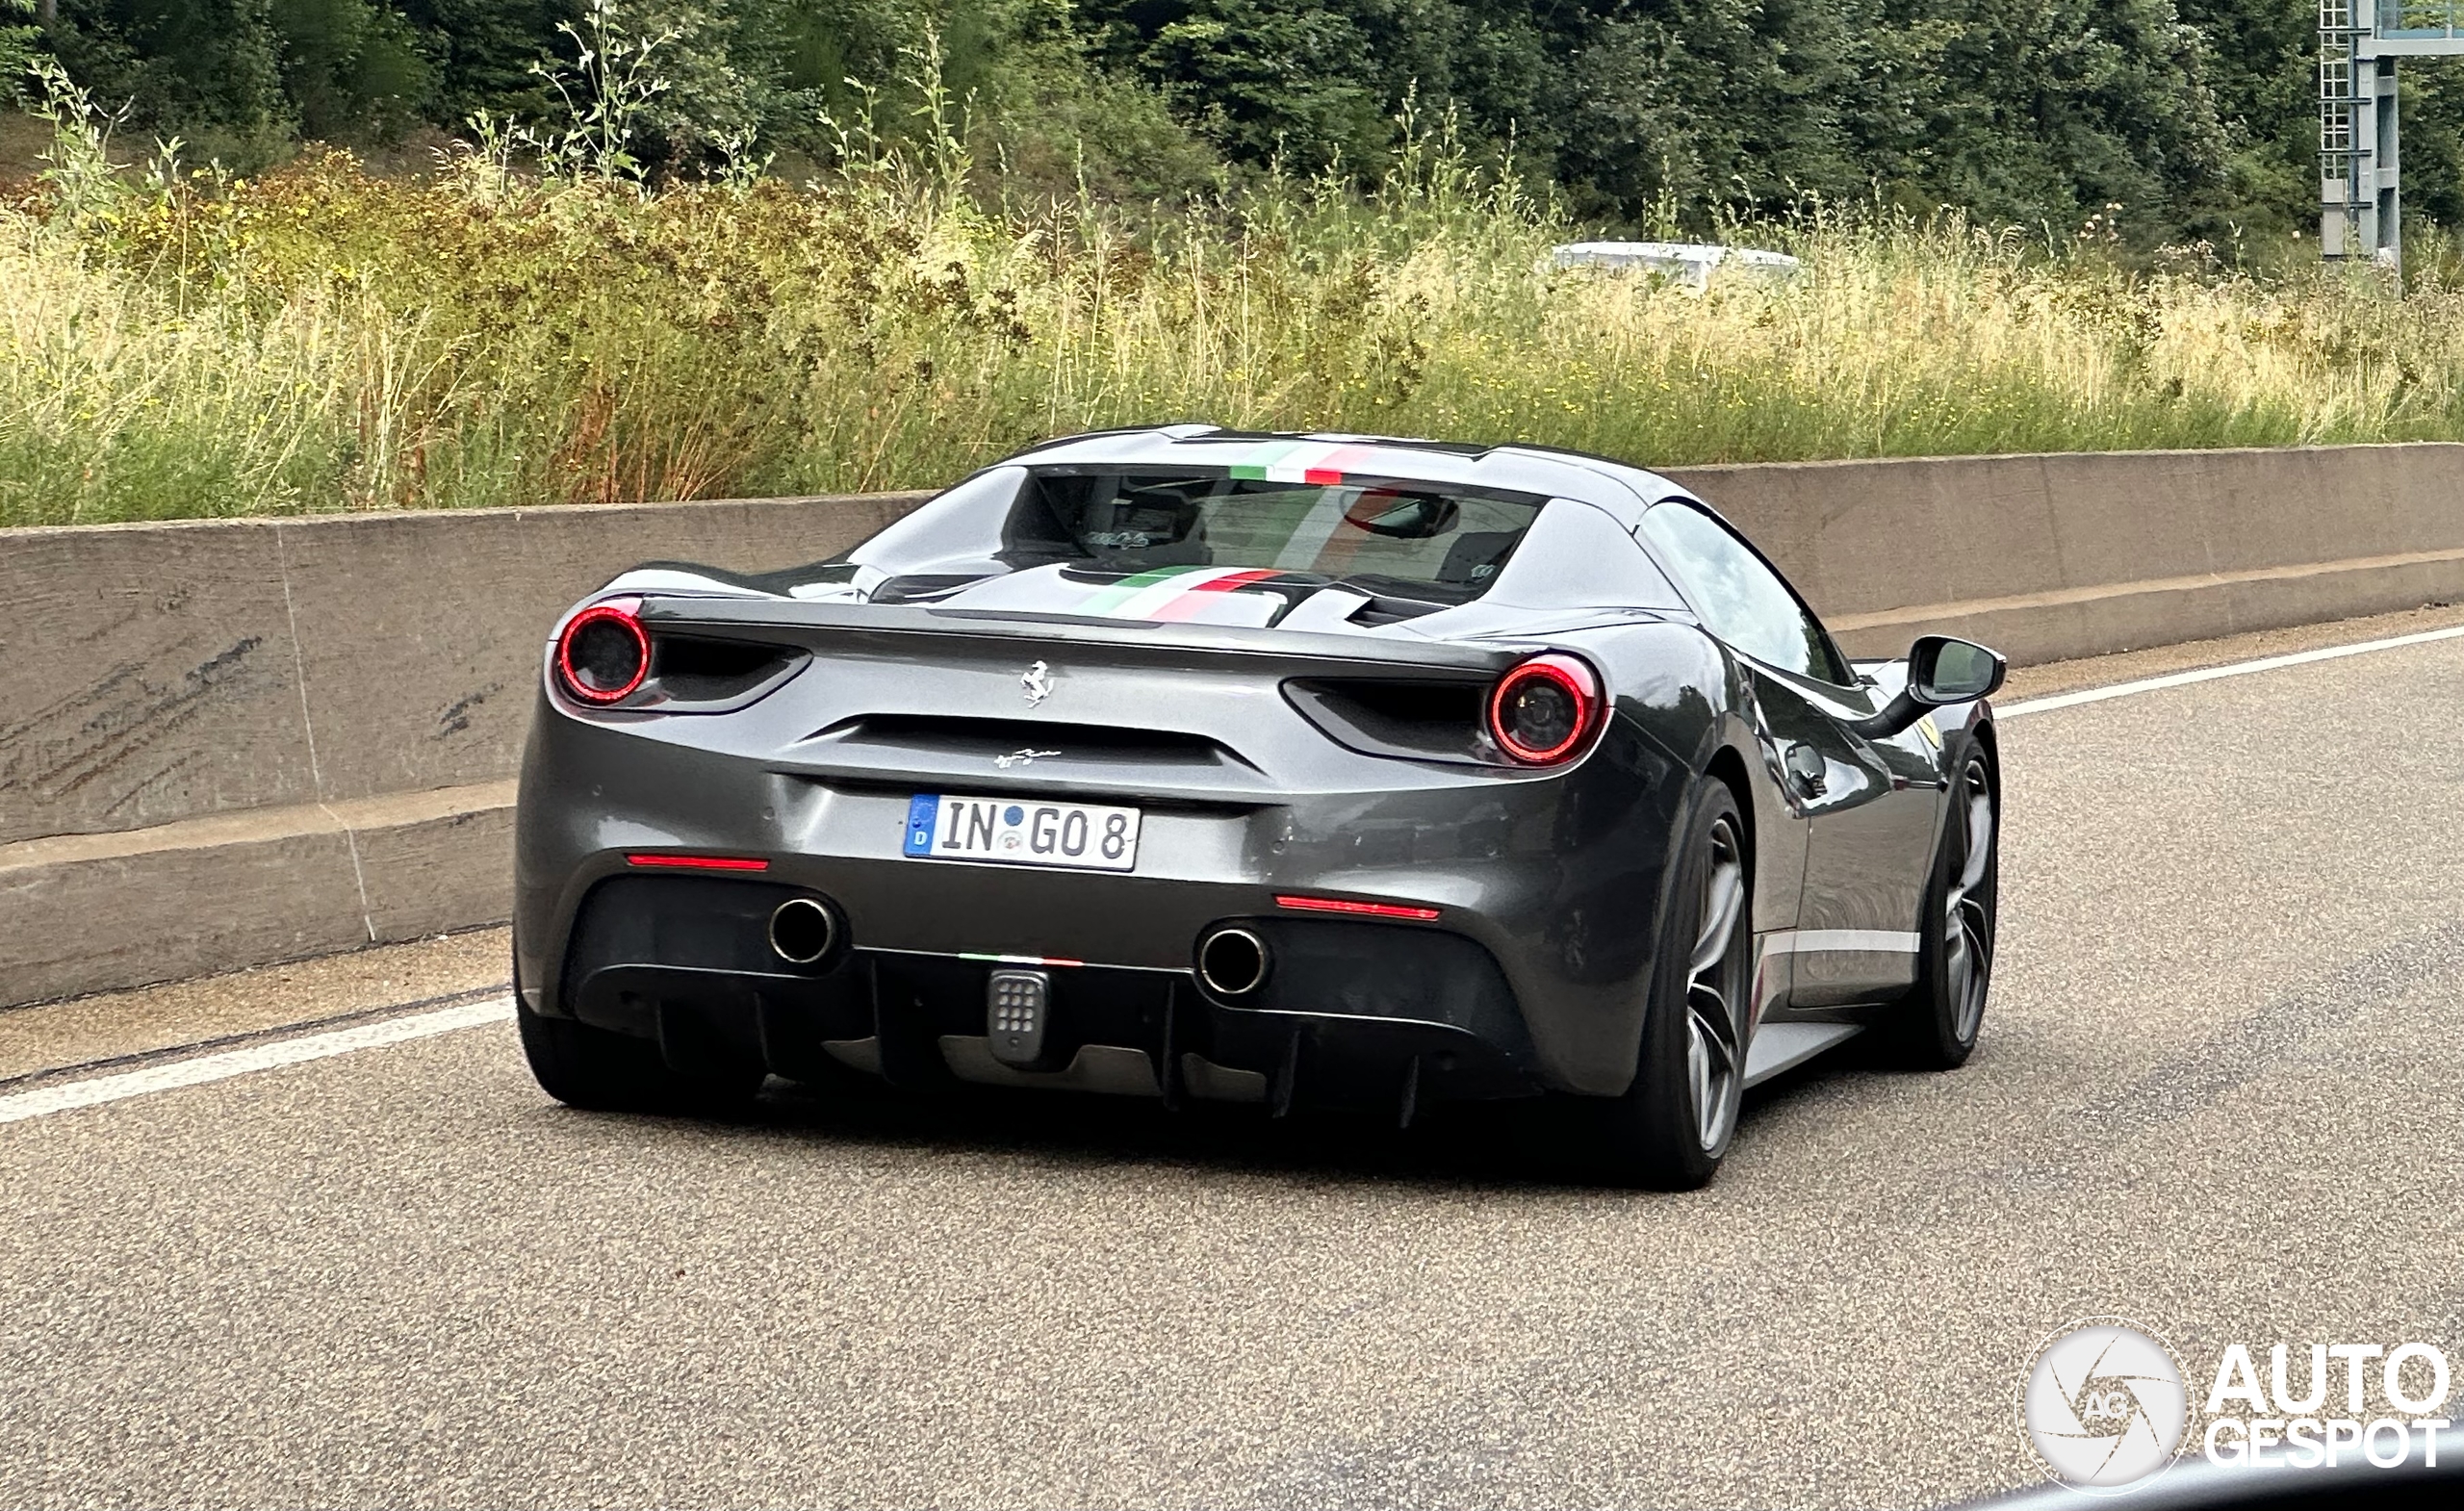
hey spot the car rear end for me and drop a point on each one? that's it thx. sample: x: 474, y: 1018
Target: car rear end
x: 1149, y: 856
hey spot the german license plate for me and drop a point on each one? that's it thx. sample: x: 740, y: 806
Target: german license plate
x: 946, y: 826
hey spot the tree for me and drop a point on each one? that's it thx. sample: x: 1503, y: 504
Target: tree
x: 351, y: 69
x: 481, y: 52
x: 209, y: 69
x: 18, y: 43
x: 2196, y: 116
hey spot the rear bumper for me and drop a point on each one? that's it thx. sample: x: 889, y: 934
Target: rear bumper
x: 1531, y: 978
x: 1353, y: 1014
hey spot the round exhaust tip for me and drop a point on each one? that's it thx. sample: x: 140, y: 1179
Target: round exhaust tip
x: 1232, y: 963
x: 802, y: 931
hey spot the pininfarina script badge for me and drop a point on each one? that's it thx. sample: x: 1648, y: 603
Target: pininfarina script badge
x: 1037, y: 680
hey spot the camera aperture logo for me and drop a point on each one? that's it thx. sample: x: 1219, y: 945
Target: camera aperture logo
x: 2104, y: 1406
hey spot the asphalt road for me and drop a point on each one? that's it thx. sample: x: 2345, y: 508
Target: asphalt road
x: 2219, y: 1094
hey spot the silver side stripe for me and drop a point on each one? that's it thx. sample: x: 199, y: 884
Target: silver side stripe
x: 1837, y: 941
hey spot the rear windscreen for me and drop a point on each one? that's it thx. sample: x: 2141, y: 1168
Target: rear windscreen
x: 1410, y: 540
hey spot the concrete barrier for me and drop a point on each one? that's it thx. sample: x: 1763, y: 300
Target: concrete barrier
x: 2055, y: 556
x: 251, y: 741
x: 207, y: 667
x: 239, y: 741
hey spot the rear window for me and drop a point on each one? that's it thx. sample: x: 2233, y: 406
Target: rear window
x: 1400, y: 539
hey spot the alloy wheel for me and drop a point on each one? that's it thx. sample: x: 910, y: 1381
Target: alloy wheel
x: 1968, y: 922
x: 1715, y: 992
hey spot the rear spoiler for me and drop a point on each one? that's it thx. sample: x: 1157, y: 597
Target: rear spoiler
x: 908, y: 630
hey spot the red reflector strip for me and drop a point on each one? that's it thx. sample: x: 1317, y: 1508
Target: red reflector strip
x: 698, y: 862
x: 1343, y: 904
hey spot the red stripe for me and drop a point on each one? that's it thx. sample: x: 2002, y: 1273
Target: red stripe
x: 1237, y: 580
x: 698, y: 862
x: 1330, y: 470
x: 1341, y: 904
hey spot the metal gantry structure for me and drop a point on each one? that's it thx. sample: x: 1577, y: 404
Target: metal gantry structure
x: 2360, y: 194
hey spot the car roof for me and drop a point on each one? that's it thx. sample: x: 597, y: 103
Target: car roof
x: 1623, y: 490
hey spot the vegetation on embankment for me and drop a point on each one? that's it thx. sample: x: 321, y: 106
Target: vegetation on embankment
x: 322, y: 338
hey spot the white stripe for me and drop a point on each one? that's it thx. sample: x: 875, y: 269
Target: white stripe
x: 44, y: 1101
x: 2209, y: 674
x: 1828, y: 941
x: 1296, y: 468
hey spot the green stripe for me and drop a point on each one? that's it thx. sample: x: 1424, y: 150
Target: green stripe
x: 1254, y: 464
x: 1119, y: 592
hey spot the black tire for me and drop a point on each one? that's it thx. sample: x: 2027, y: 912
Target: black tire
x: 603, y: 1072
x: 1673, y: 1124
x: 1935, y: 1027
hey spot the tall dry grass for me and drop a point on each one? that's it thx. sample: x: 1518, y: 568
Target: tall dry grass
x: 319, y: 339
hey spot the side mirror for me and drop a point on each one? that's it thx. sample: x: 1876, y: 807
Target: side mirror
x: 1941, y: 670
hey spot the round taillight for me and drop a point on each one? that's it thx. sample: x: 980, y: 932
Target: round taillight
x: 1545, y: 709
x: 603, y: 654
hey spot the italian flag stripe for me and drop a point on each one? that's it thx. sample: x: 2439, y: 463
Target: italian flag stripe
x: 1299, y: 461
x: 1259, y: 461
x: 1150, y: 592
x: 1237, y: 580
x: 1187, y: 604
x: 1106, y: 599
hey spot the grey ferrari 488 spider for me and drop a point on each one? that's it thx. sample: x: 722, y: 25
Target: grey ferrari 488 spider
x: 1292, y: 770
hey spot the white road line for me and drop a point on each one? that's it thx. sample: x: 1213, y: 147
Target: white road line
x: 44, y: 1101
x: 2209, y: 674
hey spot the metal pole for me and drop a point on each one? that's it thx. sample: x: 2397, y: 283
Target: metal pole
x: 2387, y: 163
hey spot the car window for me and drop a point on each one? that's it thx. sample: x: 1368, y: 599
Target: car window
x: 1742, y: 600
x: 1421, y: 541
